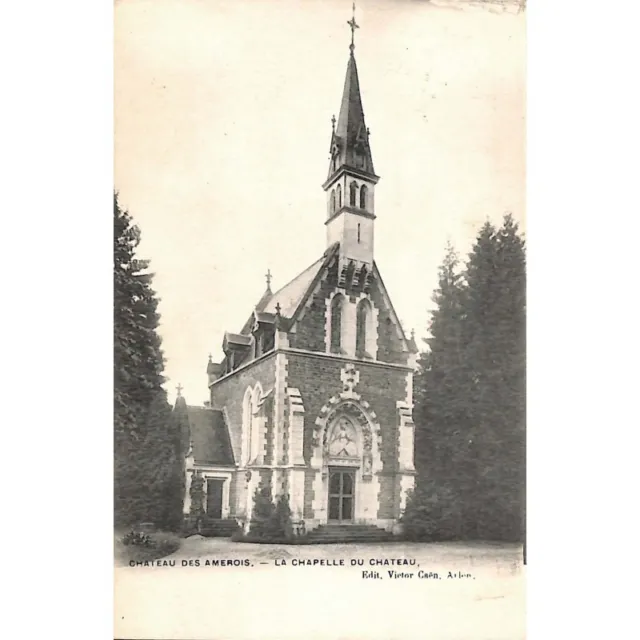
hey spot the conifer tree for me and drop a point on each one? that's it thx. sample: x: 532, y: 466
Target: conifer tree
x: 440, y: 384
x: 470, y: 392
x: 263, y: 512
x: 148, y: 465
x: 138, y: 359
x: 493, y: 329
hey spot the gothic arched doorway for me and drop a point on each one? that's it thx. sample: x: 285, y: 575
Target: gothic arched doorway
x: 346, y: 455
x: 344, y: 449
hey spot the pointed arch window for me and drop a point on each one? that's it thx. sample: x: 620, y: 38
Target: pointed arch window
x: 254, y: 441
x: 246, y: 426
x: 336, y: 323
x: 363, y: 196
x: 333, y: 201
x: 363, y: 313
x: 339, y: 196
x: 353, y: 193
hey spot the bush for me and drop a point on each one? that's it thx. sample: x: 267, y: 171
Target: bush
x: 432, y: 513
x: 140, y: 547
x: 282, y: 524
x: 138, y: 539
x: 270, y: 521
x: 263, y: 512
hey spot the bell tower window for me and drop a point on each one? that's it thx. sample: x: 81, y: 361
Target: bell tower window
x: 339, y: 196
x: 363, y: 197
x: 353, y: 193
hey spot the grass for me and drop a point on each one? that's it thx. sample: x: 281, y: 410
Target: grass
x: 163, y: 544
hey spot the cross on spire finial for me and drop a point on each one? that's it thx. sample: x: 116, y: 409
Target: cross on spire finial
x: 354, y: 25
x: 268, y: 276
x: 179, y: 389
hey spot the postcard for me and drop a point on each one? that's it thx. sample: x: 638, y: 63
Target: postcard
x: 319, y: 320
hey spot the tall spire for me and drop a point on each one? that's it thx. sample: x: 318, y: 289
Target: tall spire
x: 350, y: 138
x: 351, y: 182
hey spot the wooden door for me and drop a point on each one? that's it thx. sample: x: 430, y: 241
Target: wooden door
x: 214, y: 498
x: 341, y: 495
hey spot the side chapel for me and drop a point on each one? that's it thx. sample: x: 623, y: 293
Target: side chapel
x: 314, y: 395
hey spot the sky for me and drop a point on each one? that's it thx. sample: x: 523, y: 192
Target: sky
x: 222, y: 130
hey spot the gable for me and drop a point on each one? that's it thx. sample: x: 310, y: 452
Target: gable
x: 309, y: 324
x: 302, y: 305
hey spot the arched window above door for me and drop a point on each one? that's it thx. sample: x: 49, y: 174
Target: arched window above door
x: 363, y: 313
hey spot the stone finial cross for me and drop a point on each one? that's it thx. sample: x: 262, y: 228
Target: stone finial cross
x: 179, y: 389
x: 354, y: 25
x: 268, y: 276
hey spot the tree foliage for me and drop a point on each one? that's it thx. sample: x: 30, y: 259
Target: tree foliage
x: 269, y: 520
x: 432, y: 512
x: 470, y: 391
x: 148, y: 469
x: 138, y: 359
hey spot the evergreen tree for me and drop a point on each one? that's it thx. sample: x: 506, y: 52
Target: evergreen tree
x: 282, y: 525
x: 148, y: 448
x: 149, y: 470
x: 441, y: 414
x: 470, y: 392
x: 440, y: 383
x: 263, y: 512
x: 433, y: 512
x: 493, y: 329
x: 138, y: 359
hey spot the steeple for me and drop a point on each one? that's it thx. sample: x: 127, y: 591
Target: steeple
x: 351, y: 179
x: 350, y: 139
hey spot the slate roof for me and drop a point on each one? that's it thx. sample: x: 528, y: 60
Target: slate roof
x: 292, y: 293
x: 237, y: 338
x: 209, y: 436
x: 351, y: 136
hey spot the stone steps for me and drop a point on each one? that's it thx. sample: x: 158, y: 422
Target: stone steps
x: 217, y: 528
x: 342, y: 533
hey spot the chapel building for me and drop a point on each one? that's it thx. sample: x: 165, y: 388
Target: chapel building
x: 314, y: 395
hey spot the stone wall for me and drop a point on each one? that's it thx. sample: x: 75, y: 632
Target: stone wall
x: 228, y: 394
x: 318, y: 379
x: 311, y: 328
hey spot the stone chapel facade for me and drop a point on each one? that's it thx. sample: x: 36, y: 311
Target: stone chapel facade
x: 314, y: 395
